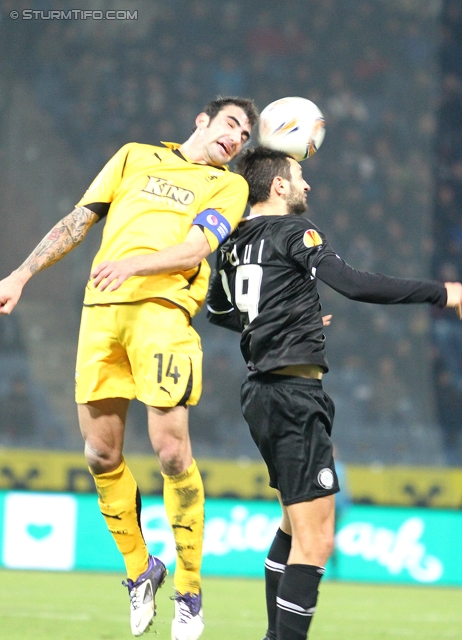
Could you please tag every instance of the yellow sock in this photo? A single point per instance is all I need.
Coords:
(184, 504)
(120, 503)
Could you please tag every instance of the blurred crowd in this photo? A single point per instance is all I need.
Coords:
(372, 67)
(447, 330)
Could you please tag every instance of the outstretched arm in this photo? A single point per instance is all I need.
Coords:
(382, 289)
(63, 237)
(179, 257)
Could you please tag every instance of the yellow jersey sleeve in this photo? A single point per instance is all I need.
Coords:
(103, 187)
(225, 207)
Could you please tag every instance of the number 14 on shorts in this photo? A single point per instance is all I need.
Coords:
(171, 370)
(169, 379)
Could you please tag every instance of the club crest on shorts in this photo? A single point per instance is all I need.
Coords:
(311, 238)
(326, 478)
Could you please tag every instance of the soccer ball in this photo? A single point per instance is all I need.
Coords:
(294, 126)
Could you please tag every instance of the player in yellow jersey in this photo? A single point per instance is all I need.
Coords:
(166, 208)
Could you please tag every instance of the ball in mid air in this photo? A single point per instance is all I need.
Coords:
(292, 125)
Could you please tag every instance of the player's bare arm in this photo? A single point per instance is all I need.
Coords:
(59, 241)
(65, 236)
(179, 257)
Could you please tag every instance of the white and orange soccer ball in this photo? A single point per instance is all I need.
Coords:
(293, 125)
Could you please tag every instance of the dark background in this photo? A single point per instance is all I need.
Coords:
(386, 189)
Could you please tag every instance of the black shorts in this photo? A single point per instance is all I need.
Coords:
(290, 420)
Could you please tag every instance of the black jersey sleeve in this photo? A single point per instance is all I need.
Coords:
(220, 311)
(376, 287)
(100, 208)
(304, 243)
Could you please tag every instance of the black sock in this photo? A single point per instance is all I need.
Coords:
(275, 564)
(296, 600)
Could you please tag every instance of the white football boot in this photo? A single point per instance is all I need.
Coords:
(188, 622)
(142, 593)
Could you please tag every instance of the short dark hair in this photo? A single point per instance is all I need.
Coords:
(259, 167)
(246, 104)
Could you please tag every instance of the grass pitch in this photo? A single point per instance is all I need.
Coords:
(81, 606)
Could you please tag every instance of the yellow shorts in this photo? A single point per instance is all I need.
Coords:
(142, 350)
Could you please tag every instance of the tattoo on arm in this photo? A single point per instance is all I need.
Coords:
(65, 236)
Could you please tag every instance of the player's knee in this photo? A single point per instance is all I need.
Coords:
(102, 460)
(174, 453)
(172, 462)
(317, 548)
(174, 456)
(325, 546)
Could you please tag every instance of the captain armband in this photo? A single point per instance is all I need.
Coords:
(215, 222)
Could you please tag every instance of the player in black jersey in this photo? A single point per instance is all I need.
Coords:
(264, 286)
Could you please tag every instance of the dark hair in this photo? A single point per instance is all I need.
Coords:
(248, 107)
(259, 167)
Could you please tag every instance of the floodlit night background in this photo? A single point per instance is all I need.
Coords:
(386, 190)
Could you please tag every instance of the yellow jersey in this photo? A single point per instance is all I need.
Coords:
(152, 195)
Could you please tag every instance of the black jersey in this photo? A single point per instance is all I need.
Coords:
(264, 285)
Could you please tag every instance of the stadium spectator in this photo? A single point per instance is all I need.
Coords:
(447, 338)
